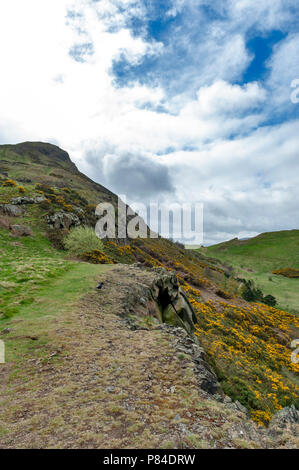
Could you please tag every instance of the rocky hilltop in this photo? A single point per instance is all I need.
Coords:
(31, 162)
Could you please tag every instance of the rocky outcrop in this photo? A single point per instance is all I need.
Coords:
(288, 415)
(27, 200)
(63, 220)
(206, 377)
(11, 210)
(172, 302)
(20, 231)
(286, 419)
(156, 293)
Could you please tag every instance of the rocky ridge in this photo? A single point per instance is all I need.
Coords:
(154, 292)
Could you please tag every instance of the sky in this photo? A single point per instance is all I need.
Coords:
(174, 101)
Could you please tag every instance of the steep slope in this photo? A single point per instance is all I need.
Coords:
(258, 257)
(248, 345)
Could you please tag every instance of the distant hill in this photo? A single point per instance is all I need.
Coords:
(256, 258)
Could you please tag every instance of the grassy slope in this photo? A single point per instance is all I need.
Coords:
(36, 283)
(258, 257)
(31, 265)
(89, 381)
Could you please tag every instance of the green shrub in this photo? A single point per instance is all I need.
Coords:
(239, 389)
(57, 237)
(251, 293)
(82, 240)
(287, 272)
(270, 300)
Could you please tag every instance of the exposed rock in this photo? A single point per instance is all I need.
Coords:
(62, 220)
(6, 331)
(11, 210)
(27, 200)
(172, 301)
(227, 399)
(25, 180)
(156, 293)
(236, 406)
(5, 222)
(286, 417)
(21, 231)
(206, 377)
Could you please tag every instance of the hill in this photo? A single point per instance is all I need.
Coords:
(30, 162)
(193, 383)
(258, 257)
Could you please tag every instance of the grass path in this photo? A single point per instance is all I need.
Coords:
(55, 299)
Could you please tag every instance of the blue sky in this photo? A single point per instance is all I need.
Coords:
(173, 101)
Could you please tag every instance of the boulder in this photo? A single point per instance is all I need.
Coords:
(21, 231)
(11, 210)
(27, 200)
(172, 301)
(63, 220)
(286, 416)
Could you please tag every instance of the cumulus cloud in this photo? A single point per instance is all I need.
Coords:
(284, 68)
(139, 177)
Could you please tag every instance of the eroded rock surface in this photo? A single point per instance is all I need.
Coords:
(27, 200)
(20, 231)
(61, 220)
(11, 210)
(158, 293)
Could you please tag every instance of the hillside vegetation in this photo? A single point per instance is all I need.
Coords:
(248, 344)
(260, 258)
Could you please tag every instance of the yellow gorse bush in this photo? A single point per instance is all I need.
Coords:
(247, 342)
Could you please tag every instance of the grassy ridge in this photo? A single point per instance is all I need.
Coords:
(258, 257)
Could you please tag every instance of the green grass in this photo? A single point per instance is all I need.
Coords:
(39, 285)
(31, 268)
(55, 299)
(258, 257)
(26, 265)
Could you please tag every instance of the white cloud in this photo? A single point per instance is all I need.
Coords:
(222, 97)
(248, 184)
(284, 67)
